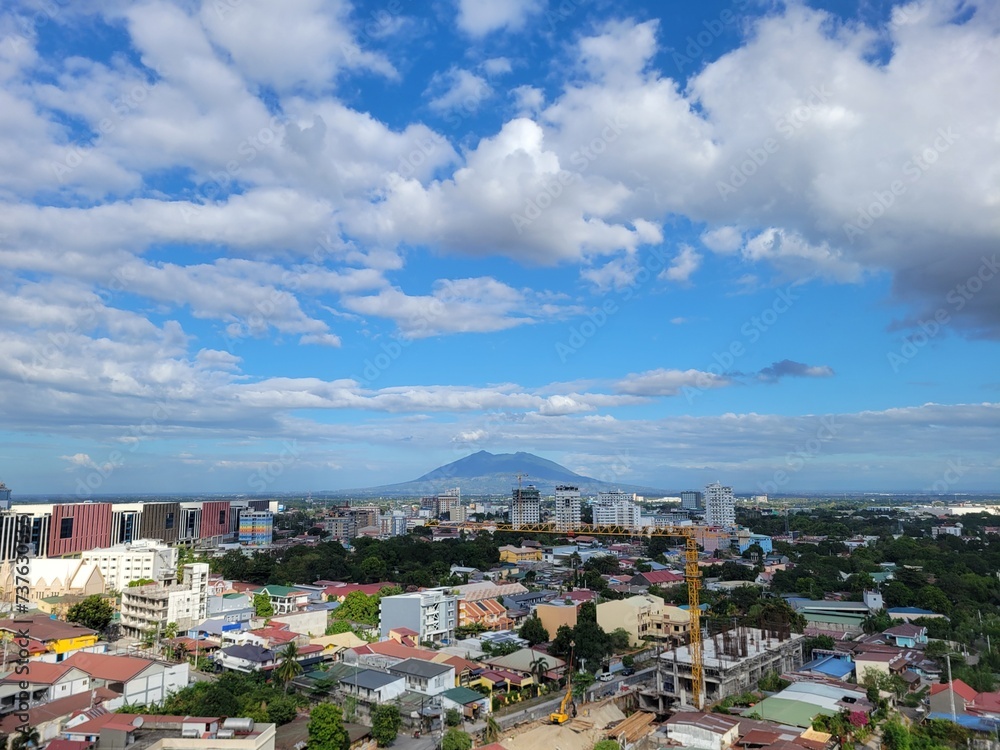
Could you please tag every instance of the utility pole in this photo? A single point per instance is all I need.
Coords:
(951, 689)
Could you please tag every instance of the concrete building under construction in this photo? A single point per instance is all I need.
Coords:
(734, 661)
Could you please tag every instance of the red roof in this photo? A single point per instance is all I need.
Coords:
(275, 635)
(341, 590)
(960, 688)
(396, 650)
(107, 666)
(57, 709)
(60, 744)
(661, 576)
(579, 595)
(38, 672)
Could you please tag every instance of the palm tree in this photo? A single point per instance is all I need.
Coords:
(170, 631)
(290, 668)
(538, 669)
(491, 733)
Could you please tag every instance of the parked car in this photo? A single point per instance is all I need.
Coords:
(606, 677)
(627, 672)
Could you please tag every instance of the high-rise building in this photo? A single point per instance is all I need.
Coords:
(567, 507)
(692, 500)
(445, 503)
(4, 496)
(525, 506)
(256, 528)
(617, 509)
(720, 505)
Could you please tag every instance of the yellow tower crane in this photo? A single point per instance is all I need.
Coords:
(692, 574)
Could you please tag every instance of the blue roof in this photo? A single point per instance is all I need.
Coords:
(656, 566)
(910, 611)
(976, 723)
(829, 665)
(702, 607)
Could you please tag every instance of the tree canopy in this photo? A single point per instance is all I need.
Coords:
(94, 612)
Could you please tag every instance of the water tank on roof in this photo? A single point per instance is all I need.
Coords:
(190, 730)
(237, 724)
(225, 734)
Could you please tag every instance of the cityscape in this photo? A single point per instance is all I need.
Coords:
(499, 375)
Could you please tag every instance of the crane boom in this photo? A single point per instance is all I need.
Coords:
(692, 574)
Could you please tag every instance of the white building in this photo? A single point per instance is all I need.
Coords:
(392, 524)
(432, 613)
(151, 607)
(143, 559)
(567, 507)
(617, 509)
(720, 505)
(525, 506)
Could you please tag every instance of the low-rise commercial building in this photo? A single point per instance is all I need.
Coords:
(140, 560)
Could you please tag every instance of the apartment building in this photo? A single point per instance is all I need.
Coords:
(150, 608)
(525, 506)
(720, 505)
(432, 613)
(143, 559)
(617, 509)
(567, 512)
(644, 617)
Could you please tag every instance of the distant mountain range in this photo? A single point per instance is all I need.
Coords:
(485, 473)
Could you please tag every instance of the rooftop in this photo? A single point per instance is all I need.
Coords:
(420, 668)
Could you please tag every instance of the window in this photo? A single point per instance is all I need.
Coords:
(65, 528)
(222, 517)
(169, 523)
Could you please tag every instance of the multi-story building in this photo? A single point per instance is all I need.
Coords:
(4, 496)
(392, 524)
(617, 509)
(567, 507)
(445, 503)
(60, 529)
(151, 607)
(256, 528)
(645, 617)
(432, 614)
(720, 505)
(692, 500)
(525, 506)
(143, 559)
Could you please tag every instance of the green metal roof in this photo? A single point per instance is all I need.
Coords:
(280, 590)
(837, 619)
(791, 712)
(462, 695)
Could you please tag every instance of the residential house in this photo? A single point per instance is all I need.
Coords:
(59, 639)
(246, 658)
(138, 681)
(38, 683)
(944, 694)
(525, 661)
(112, 731)
(285, 599)
(489, 614)
(511, 554)
(335, 645)
(907, 635)
(48, 718)
(471, 704)
(694, 729)
(657, 577)
(644, 617)
(424, 677)
(372, 686)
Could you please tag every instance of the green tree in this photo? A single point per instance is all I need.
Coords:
(620, 640)
(587, 611)
(877, 622)
(358, 607)
(326, 728)
(25, 739)
(262, 606)
(895, 736)
(607, 745)
(289, 668)
(170, 631)
(582, 681)
(453, 717)
(539, 667)
(533, 631)
(281, 710)
(385, 724)
(456, 739)
(94, 612)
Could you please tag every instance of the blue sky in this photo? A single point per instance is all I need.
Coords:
(246, 245)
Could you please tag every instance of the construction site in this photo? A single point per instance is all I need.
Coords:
(732, 662)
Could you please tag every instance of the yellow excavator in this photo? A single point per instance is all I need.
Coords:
(562, 715)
